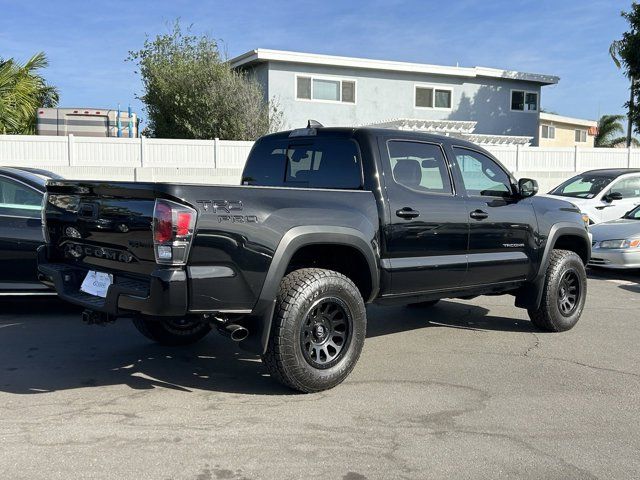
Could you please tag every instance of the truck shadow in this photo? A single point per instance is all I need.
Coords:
(449, 314)
(50, 349)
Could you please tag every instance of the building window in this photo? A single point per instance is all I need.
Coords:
(348, 91)
(303, 88)
(325, 89)
(581, 136)
(548, 131)
(523, 101)
(431, 97)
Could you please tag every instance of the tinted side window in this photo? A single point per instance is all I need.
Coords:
(18, 199)
(419, 166)
(481, 175)
(313, 163)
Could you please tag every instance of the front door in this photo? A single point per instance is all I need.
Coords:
(629, 190)
(426, 237)
(502, 244)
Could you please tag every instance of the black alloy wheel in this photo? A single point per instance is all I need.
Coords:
(326, 332)
(569, 293)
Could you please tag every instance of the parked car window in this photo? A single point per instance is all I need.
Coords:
(628, 188)
(18, 199)
(419, 166)
(633, 214)
(318, 163)
(481, 175)
(582, 186)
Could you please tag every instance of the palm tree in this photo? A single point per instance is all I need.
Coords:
(609, 126)
(22, 92)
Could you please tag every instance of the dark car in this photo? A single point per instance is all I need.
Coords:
(21, 192)
(326, 220)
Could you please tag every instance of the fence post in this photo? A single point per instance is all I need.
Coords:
(70, 149)
(517, 157)
(141, 151)
(216, 152)
(629, 157)
(575, 159)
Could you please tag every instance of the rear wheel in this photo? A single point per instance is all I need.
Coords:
(564, 295)
(318, 330)
(172, 331)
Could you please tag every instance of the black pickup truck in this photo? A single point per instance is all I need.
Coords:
(325, 221)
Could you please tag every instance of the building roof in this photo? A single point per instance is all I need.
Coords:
(552, 117)
(265, 55)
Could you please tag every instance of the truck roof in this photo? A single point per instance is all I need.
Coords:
(348, 132)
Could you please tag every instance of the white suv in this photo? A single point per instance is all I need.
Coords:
(602, 194)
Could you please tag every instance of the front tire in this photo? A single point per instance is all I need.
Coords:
(318, 330)
(170, 331)
(564, 294)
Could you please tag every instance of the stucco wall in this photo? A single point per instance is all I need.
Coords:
(382, 95)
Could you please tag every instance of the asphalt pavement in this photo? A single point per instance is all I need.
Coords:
(465, 389)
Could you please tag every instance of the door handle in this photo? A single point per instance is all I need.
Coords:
(407, 212)
(479, 215)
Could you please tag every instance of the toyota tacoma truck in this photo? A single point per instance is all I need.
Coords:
(325, 221)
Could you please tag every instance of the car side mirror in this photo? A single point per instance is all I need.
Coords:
(611, 196)
(527, 187)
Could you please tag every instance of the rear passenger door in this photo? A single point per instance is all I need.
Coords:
(426, 237)
(502, 226)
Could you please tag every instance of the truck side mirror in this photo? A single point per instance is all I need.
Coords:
(527, 187)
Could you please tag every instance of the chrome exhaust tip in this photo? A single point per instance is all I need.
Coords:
(236, 332)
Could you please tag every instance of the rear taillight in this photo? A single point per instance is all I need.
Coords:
(173, 227)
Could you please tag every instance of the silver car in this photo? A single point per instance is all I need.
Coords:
(616, 244)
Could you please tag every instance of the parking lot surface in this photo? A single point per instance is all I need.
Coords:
(465, 389)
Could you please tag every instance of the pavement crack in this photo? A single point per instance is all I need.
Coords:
(536, 345)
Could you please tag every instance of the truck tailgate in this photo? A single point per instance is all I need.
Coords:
(101, 227)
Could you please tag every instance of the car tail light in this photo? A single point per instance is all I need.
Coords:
(173, 227)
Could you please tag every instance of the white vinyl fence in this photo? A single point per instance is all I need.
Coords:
(221, 161)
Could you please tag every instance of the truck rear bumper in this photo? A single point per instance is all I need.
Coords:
(164, 293)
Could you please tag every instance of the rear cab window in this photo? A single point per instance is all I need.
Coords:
(309, 162)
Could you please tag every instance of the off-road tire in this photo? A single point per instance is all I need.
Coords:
(286, 358)
(549, 315)
(427, 304)
(169, 331)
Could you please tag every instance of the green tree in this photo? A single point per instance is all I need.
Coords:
(22, 91)
(610, 132)
(191, 91)
(626, 54)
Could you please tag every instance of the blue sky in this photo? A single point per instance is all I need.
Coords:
(87, 41)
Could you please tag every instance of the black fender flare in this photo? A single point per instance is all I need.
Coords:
(259, 322)
(530, 295)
